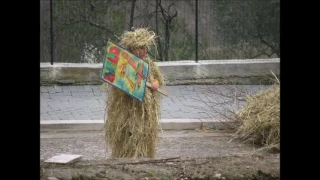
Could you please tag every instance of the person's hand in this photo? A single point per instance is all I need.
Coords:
(155, 85)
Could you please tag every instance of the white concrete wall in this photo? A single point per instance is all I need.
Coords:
(256, 71)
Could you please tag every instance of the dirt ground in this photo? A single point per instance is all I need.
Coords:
(197, 160)
(228, 167)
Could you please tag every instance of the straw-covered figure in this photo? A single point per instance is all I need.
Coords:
(132, 126)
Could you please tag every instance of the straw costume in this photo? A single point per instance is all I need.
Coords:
(132, 126)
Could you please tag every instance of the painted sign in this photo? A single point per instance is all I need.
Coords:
(125, 71)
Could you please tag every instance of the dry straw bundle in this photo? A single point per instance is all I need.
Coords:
(260, 119)
(140, 37)
(132, 126)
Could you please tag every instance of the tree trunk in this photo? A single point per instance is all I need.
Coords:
(157, 31)
(167, 40)
(133, 2)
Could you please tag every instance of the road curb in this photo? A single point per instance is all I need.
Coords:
(165, 124)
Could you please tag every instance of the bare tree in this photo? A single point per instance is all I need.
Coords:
(167, 17)
(250, 28)
(82, 28)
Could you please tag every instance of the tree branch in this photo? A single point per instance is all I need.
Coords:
(162, 10)
(263, 53)
(147, 162)
(260, 37)
(171, 17)
(193, 38)
(170, 7)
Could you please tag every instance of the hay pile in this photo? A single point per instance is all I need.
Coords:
(260, 119)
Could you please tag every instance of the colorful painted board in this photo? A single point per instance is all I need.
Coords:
(125, 71)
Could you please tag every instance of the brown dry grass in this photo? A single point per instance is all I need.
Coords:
(255, 117)
(260, 119)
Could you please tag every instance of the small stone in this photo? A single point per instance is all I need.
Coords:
(217, 175)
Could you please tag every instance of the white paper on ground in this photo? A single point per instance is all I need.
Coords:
(64, 158)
